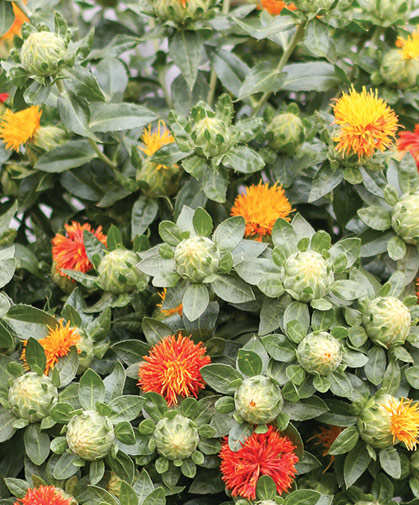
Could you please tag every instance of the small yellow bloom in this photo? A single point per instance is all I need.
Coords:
(168, 312)
(153, 141)
(404, 421)
(366, 123)
(261, 206)
(409, 46)
(56, 345)
(16, 128)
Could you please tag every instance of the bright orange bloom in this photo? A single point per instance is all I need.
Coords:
(366, 123)
(69, 252)
(16, 128)
(168, 312)
(44, 495)
(261, 206)
(409, 47)
(56, 345)
(172, 368)
(404, 421)
(260, 454)
(153, 141)
(325, 439)
(275, 7)
(16, 26)
(409, 142)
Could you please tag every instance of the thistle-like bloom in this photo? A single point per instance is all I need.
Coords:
(275, 7)
(56, 345)
(366, 123)
(404, 421)
(16, 128)
(409, 47)
(409, 142)
(16, 26)
(168, 312)
(69, 252)
(260, 454)
(153, 141)
(172, 368)
(261, 206)
(325, 438)
(43, 495)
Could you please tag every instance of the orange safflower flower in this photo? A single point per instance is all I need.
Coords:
(16, 128)
(168, 312)
(409, 142)
(16, 26)
(404, 421)
(261, 454)
(261, 206)
(172, 368)
(325, 438)
(43, 495)
(153, 141)
(69, 252)
(367, 123)
(56, 344)
(275, 7)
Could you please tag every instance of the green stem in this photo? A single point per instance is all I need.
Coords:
(282, 62)
(102, 156)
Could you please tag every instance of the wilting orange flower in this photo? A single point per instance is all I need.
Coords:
(275, 7)
(56, 345)
(409, 142)
(260, 454)
(43, 495)
(366, 123)
(409, 46)
(16, 128)
(168, 312)
(261, 206)
(153, 141)
(16, 26)
(404, 421)
(325, 438)
(69, 252)
(172, 368)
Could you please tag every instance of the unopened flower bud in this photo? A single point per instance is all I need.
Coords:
(43, 54)
(319, 353)
(211, 136)
(196, 258)
(176, 438)
(399, 72)
(405, 218)
(287, 132)
(118, 272)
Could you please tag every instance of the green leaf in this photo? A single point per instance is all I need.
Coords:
(154, 330)
(265, 488)
(127, 495)
(412, 376)
(392, 378)
(269, 27)
(396, 248)
(303, 496)
(144, 212)
(312, 76)
(284, 236)
(195, 301)
(102, 495)
(6, 16)
(202, 222)
(229, 233)
(232, 289)
(408, 174)
(249, 363)
(243, 160)
(6, 424)
(143, 486)
(110, 117)
(375, 217)
(65, 467)
(156, 497)
(215, 183)
(96, 471)
(376, 366)
(317, 38)
(125, 408)
(356, 462)
(37, 444)
(70, 155)
(306, 408)
(35, 356)
(91, 390)
(18, 487)
(170, 233)
(279, 347)
(230, 69)
(390, 462)
(219, 377)
(345, 441)
(122, 465)
(185, 48)
(115, 382)
(82, 82)
(74, 113)
(155, 405)
(264, 77)
(324, 182)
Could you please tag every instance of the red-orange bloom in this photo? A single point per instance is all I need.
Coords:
(409, 142)
(44, 495)
(275, 7)
(325, 438)
(261, 454)
(69, 252)
(172, 368)
(3, 97)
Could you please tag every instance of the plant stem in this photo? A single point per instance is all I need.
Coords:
(284, 58)
(102, 156)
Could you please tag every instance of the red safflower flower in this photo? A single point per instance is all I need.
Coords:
(261, 454)
(409, 142)
(44, 495)
(172, 368)
(69, 252)
(3, 97)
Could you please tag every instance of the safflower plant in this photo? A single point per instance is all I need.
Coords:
(209, 252)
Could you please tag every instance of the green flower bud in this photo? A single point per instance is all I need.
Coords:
(114, 485)
(374, 423)
(43, 54)
(313, 5)
(162, 181)
(180, 11)
(176, 438)
(90, 435)
(387, 12)
(319, 353)
(405, 218)
(307, 276)
(258, 400)
(288, 132)
(212, 136)
(386, 320)
(32, 396)
(399, 72)
(118, 272)
(196, 258)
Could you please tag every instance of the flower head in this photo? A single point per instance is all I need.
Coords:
(16, 128)
(261, 206)
(69, 251)
(325, 438)
(275, 7)
(153, 141)
(409, 47)
(43, 495)
(409, 142)
(168, 312)
(172, 368)
(260, 454)
(16, 26)
(56, 344)
(404, 421)
(366, 123)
